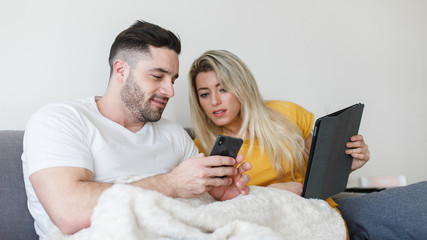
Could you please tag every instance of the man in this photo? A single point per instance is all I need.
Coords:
(73, 149)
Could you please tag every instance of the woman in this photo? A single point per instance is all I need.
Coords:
(224, 99)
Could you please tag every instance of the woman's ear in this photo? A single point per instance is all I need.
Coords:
(120, 70)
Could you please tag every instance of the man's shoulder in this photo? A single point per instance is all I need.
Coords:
(64, 106)
(167, 125)
(174, 133)
(70, 103)
(171, 130)
(61, 112)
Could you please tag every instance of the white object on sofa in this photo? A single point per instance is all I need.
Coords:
(382, 182)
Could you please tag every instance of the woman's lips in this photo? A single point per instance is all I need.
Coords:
(219, 113)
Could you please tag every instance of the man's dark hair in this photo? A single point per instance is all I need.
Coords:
(137, 39)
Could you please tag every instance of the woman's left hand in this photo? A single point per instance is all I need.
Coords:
(359, 150)
(294, 187)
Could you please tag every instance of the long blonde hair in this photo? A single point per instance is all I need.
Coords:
(279, 136)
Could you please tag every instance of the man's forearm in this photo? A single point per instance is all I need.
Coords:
(75, 212)
(68, 195)
(160, 183)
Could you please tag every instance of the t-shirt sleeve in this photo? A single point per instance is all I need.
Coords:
(184, 146)
(191, 149)
(55, 137)
(198, 145)
(297, 114)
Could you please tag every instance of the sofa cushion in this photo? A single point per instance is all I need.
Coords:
(395, 213)
(15, 219)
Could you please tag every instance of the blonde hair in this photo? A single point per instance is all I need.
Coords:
(279, 136)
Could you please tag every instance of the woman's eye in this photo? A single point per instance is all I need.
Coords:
(203, 95)
(222, 90)
(156, 76)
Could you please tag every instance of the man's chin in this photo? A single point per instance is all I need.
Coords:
(149, 119)
(152, 117)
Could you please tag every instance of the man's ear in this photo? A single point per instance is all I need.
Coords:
(120, 70)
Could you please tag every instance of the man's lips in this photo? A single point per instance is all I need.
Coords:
(161, 102)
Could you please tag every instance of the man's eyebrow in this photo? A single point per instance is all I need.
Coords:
(163, 71)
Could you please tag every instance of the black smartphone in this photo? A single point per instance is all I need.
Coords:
(226, 146)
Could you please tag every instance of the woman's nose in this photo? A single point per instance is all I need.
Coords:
(216, 100)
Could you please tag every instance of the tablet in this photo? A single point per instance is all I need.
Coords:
(328, 166)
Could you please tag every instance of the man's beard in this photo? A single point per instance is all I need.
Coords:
(134, 99)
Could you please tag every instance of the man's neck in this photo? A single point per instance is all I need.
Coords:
(118, 113)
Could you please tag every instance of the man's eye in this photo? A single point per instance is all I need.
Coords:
(156, 76)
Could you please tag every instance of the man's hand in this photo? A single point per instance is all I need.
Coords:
(359, 150)
(200, 174)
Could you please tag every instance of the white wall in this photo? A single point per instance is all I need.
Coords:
(323, 55)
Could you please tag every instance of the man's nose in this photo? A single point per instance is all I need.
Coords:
(167, 89)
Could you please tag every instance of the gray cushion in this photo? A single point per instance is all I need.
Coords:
(395, 213)
(15, 220)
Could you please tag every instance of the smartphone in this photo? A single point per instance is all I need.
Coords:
(226, 146)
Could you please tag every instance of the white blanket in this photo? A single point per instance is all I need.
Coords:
(127, 212)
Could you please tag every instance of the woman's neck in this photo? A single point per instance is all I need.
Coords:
(233, 128)
(234, 132)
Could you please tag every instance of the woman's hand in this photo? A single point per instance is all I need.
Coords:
(359, 150)
(294, 187)
(238, 183)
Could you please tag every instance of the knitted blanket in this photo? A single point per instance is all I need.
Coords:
(127, 212)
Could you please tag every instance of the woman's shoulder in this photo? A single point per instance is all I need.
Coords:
(295, 113)
(284, 107)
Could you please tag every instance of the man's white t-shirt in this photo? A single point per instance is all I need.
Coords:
(76, 134)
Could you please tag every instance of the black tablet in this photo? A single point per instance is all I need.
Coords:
(328, 166)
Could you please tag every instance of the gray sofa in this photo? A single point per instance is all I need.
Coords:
(16, 222)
